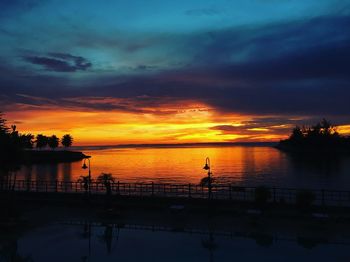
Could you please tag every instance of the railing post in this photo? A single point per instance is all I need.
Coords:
(152, 188)
(274, 194)
(189, 190)
(56, 186)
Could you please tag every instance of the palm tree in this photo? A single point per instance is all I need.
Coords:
(41, 141)
(53, 142)
(26, 141)
(106, 179)
(67, 140)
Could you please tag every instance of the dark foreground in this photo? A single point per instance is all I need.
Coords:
(45, 228)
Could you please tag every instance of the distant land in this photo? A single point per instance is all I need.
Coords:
(54, 156)
(175, 145)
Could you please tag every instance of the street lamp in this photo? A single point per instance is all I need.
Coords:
(89, 168)
(207, 167)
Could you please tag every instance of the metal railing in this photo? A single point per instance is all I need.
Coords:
(222, 191)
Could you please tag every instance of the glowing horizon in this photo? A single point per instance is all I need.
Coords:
(197, 124)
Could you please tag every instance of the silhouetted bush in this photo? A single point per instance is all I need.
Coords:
(106, 179)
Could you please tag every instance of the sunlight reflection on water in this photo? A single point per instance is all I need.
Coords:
(249, 165)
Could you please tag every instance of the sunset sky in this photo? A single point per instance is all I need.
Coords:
(159, 71)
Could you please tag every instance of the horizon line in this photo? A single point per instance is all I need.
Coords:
(199, 144)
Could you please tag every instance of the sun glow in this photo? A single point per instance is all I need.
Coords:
(185, 123)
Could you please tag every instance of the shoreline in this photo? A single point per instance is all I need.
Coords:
(51, 156)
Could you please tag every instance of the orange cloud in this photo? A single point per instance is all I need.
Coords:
(168, 122)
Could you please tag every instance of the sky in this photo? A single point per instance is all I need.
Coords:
(160, 71)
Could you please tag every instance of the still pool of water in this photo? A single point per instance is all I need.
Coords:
(107, 243)
(244, 165)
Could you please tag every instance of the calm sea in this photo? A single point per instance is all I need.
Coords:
(241, 165)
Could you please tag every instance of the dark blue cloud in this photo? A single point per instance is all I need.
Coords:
(291, 68)
(59, 62)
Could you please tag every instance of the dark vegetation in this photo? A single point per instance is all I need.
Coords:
(16, 147)
(322, 137)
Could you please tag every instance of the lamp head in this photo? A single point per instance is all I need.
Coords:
(206, 167)
(84, 165)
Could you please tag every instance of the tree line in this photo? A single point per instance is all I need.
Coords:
(12, 142)
(53, 141)
(321, 135)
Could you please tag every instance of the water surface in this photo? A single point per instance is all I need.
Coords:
(107, 243)
(244, 165)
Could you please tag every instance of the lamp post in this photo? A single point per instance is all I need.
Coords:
(207, 167)
(89, 168)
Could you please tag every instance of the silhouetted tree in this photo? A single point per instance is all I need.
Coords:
(106, 179)
(12, 143)
(26, 140)
(3, 127)
(297, 134)
(67, 140)
(53, 142)
(41, 141)
(322, 136)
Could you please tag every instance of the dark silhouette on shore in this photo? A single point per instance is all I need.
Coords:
(12, 143)
(322, 137)
(41, 141)
(53, 142)
(16, 147)
(106, 179)
(67, 141)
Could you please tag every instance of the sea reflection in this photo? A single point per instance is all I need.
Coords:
(87, 241)
(243, 165)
